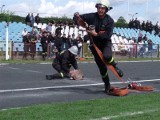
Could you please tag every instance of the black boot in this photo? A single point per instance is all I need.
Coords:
(54, 76)
(119, 71)
(107, 85)
(43, 57)
(49, 77)
(107, 88)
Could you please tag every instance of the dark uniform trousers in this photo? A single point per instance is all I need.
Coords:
(26, 50)
(44, 50)
(32, 49)
(107, 54)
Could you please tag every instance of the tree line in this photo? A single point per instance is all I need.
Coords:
(9, 16)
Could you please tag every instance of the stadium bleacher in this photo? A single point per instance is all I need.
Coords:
(121, 35)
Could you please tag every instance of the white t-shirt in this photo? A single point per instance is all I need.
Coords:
(24, 33)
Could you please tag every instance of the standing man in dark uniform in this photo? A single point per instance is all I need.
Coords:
(104, 25)
(33, 45)
(37, 19)
(58, 39)
(44, 41)
(26, 41)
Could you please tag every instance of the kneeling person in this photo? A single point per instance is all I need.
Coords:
(63, 62)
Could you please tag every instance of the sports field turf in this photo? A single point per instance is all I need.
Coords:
(131, 107)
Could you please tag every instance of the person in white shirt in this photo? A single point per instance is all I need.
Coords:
(24, 32)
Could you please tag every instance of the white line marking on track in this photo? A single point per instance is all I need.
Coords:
(25, 70)
(14, 68)
(33, 71)
(126, 114)
(69, 86)
(13, 108)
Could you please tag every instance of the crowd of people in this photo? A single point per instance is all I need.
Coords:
(61, 41)
(53, 37)
(139, 49)
(146, 26)
(31, 19)
(56, 40)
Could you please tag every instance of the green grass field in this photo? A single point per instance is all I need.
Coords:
(131, 107)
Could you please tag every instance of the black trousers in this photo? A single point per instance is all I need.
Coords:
(32, 48)
(44, 49)
(106, 49)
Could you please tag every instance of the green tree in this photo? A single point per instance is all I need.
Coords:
(121, 22)
(6, 16)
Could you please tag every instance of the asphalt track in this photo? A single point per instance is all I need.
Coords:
(22, 85)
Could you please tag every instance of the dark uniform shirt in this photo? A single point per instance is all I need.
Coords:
(58, 43)
(26, 39)
(106, 25)
(44, 40)
(66, 59)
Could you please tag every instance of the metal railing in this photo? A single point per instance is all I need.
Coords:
(120, 51)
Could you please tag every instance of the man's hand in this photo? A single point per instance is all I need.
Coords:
(92, 32)
(79, 21)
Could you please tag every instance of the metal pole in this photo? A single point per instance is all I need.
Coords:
(2, 8)
(128, 10)
(7, 55)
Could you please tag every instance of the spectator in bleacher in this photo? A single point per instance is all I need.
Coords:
(33, 31)
(24, 32)
(49, 27)
(147, 26)
(65, 43)
(134, 47)
(79, 42)
(26, 41)
(58, 39)
(130, 24)
(32, 20)
(131, 45)
(145, 38)
(74, 42)
(27, 19)
(150, 47)
(141, 48)
(134, 24)
(156, 28)
(140, 35)
(51, 37)
(158, 31)
(150, 27)
(33, 45)
(37, 19)
(101, 38)
(44, 42)
(143, 25)
(53, 27)
(137, 24)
